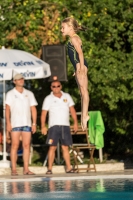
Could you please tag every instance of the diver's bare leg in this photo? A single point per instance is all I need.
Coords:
(82, 81)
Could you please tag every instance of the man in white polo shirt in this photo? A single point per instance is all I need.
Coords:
(58, 104)
(20, 109)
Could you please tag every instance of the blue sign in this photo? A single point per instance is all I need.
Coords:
(45, 72)
(39, 61)
(1, 75)
(28, 74)
(3, 64)
(21, 63)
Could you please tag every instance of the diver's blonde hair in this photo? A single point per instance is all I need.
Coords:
(70, 21)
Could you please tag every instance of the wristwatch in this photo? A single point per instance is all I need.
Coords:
(34, 124)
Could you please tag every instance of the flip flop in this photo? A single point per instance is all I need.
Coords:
(28, 173)
(49, 172)
(14, 173)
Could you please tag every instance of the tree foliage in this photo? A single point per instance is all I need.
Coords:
(29, 24)
(107, 45)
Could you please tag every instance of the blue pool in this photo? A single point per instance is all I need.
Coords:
(97, 189)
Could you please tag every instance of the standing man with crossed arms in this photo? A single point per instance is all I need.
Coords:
(58, 104)
(20, 108)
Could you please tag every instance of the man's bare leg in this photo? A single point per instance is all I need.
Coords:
(51, 156)
(14, 148)
(66, 157)
(26, 140)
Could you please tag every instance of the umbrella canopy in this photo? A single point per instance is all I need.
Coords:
(14, 61)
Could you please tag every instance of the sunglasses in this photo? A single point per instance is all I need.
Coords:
(55, 86)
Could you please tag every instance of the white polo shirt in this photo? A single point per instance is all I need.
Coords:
(20, 104)
(58, 109)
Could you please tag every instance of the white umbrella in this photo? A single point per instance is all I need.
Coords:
(14, 61)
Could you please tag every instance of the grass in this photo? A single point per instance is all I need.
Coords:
(38, 159)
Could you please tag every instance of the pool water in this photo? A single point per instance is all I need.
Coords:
(99, 189)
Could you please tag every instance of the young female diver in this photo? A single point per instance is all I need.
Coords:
(70, 27)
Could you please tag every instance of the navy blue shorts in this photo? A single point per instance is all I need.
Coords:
(59, 133)
(22, 129)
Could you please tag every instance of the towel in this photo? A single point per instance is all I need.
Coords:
(96, 129)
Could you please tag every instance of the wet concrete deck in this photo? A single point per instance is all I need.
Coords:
(60, 174)
(128, 174)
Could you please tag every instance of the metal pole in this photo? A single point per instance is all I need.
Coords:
(4, 124)
(101, 155)
(4, 162)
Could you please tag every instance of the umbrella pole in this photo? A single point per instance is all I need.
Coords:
(4, 163)
(4, 124)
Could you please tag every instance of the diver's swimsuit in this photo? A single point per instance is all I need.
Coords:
(73, 55)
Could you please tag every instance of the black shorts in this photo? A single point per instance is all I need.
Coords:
(59, 133)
